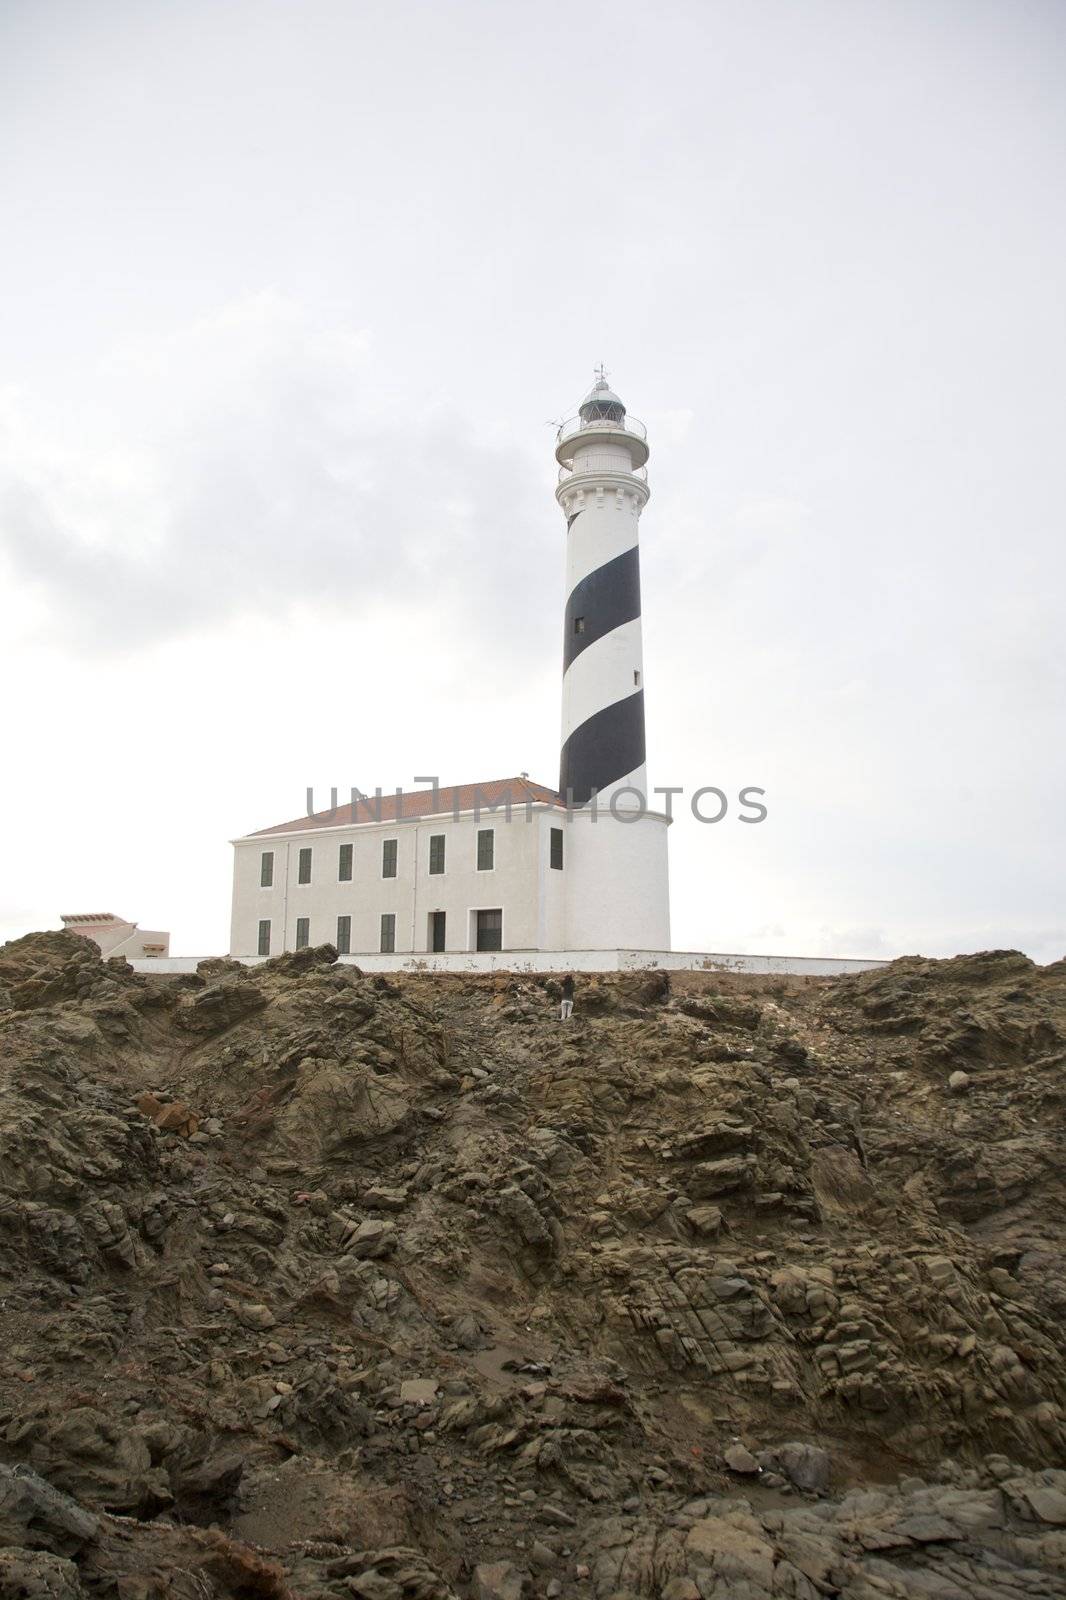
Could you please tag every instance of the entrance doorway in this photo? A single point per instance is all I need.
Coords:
(436, 930)
(489, 930)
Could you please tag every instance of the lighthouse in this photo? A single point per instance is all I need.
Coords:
(603, 488)
(617, 891)
(506, 867)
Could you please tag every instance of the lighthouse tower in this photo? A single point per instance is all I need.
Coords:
(603, 487)
(617, 892)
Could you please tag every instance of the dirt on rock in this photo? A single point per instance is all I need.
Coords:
(316, 1284)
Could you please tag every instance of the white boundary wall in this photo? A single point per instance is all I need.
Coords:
(563, 961)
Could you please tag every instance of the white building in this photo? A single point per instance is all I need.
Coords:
(114, 936)
(507, 865)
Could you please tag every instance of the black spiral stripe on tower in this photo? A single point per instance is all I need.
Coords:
(604, 600)
(604, 748)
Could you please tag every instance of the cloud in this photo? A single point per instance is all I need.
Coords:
(251, 465)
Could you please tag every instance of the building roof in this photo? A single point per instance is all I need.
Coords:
(602, 394)
(77, 919)
(420, 803)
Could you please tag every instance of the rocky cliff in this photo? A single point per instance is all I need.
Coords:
(317, 1284)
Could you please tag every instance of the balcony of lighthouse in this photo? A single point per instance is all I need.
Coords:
(577, 424)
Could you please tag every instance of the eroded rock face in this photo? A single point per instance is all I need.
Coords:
(944, 1540)
(35, 1575)
(323, 1285)
(38, 1516)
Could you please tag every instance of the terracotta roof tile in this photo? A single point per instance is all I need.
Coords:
(420, 803)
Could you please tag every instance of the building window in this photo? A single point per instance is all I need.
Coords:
(266, 870)
(388, 932)
(636, 678)
(388, 858)
(263, 947)
(303, 932)
(304, 873)
(344, 864)
(485, 849)
(344, 935)
(436, 930)
(436, 852)
(490, 930)
(579, 624)
(555, 857)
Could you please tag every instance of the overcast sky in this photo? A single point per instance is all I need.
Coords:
(289, 294)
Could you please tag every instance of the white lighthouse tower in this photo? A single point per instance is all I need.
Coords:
(622, 859)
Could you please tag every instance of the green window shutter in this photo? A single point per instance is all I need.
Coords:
(486, 838)
(266, 869)
(344, 936)
(304, 873)
(436, 852)
(388, 858)
(303, 932)
(264, 938)
(344, 866)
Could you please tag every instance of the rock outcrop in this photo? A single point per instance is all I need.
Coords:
(319, 1284)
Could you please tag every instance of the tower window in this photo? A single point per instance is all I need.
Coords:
(303, 932)
(486, 849)
(263, 947)
(388, 933)
(436, 853)
(388, 858)
(344, 864)
(304, 872)
(266, 869)
(555, 857)
(344, 936)
(636, 678)
(579, 624)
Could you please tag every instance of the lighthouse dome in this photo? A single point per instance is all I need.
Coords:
(601, 404)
